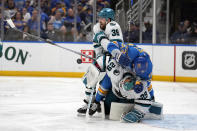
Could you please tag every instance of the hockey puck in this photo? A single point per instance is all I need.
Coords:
(79, 61)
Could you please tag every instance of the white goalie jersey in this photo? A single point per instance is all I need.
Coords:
(112, 31)
(116, 73)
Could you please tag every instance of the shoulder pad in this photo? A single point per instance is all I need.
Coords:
(96, 28)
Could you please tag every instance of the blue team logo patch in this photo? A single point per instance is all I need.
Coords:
(123, 48)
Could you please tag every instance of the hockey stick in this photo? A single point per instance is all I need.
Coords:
(11, 24)
(89, 104)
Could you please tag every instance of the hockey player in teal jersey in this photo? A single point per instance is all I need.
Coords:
(113, 32)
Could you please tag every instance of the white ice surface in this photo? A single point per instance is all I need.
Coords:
(50, 104)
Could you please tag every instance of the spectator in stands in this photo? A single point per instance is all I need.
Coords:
(19, 3)
(10, 4)
(81, 12)
(147, 34)
(44, 19)
(28, 6)
(13, 35)
(187, 26)
(33, 24)
(59, 5)
(70, 19)
(52, 33)
(102, 4)
(133, 34)
(53, 3)
(180, 36)
(45, 7)
(193, 36)
(67, 3)
(18, 21)
(58, 21)
(89, 15)
(26, 15)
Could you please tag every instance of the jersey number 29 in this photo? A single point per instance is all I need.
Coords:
(110, 66)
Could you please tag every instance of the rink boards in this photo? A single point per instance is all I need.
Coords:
(171, 62)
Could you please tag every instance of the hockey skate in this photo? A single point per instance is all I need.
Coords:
(82, 111)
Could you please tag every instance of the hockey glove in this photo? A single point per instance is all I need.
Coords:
(122, 59)
(96, 106)
(99, 36)
(132, 116)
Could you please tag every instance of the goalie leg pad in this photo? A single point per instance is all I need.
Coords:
(152, 110)
(155, 111)
(117, 109)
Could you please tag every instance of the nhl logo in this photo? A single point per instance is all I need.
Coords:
(189, 60)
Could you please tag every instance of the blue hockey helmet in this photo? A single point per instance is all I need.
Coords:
(107, 13)
(143, 67)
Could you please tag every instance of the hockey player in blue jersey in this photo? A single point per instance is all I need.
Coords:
(120, 85)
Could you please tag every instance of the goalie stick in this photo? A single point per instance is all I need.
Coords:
(11, 24)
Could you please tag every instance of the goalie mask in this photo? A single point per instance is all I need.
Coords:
(128, 81)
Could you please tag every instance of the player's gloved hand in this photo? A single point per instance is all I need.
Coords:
(99, 36)
(138, 87)
(122, 59)
(95, 106)
(132, 116)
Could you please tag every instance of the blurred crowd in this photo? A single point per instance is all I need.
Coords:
(185, 33)
(56, 20)
(61, 20)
